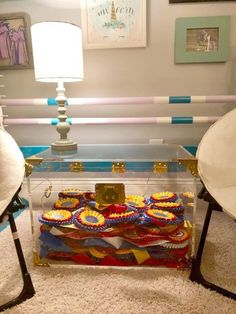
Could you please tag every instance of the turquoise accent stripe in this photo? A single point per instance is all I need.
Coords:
(182, 120)
(69, 120)
(191, 149)
(28, 151)
(52, 102)
(54, 121)
(179, 99)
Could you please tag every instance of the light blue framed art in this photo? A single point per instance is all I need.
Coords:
(202, 39)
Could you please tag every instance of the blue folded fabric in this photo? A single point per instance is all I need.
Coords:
(53, 242)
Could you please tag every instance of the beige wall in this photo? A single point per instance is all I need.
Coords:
(149, 71)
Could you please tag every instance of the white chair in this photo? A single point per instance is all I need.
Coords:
(217, 169)
(11, 176)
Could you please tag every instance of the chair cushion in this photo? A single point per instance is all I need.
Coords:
(217, 162)
(12, 168)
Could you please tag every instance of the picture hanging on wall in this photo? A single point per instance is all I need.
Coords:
(15, 41)
(185, 1)
(113, 24)
(202, 39)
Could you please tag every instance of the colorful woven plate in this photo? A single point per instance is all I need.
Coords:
(127, 216)
(136, 201)
(89, 220)
(70, 204)
(71, 193)
(56, 217)
(173, 207)
(163, 197)
(161, 217)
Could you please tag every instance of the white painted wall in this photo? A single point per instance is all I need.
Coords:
(149, 71)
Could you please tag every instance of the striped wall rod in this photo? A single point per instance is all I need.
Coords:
(122, 100)
(112, 121)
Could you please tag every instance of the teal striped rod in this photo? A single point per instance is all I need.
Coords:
(122, 100)
(103, 121)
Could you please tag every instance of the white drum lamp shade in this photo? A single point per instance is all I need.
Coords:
(58, 57)
(57, 51)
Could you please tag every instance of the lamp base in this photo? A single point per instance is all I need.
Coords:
(67, 145)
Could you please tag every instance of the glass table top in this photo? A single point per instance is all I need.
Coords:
(119, 152)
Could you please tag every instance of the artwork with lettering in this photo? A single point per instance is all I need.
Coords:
(114, 23)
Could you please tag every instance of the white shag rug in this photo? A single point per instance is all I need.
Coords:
(76, 289)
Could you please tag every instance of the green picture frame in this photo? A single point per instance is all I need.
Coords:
(202, 39)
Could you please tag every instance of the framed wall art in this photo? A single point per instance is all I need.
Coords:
(202, 39)
(186, 1)
(15, 41)
(113, 24)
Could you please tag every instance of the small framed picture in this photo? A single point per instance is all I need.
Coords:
(113, 24)
(15, 42)
(202, 39)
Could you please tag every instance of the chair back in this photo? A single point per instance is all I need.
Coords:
(217, 162)
(12, 169)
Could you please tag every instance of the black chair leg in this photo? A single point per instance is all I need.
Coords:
(195, 274)
(28, 289)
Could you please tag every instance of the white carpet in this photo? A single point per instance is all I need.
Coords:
(75, 289)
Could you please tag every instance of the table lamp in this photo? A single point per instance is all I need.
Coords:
(58, 58)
